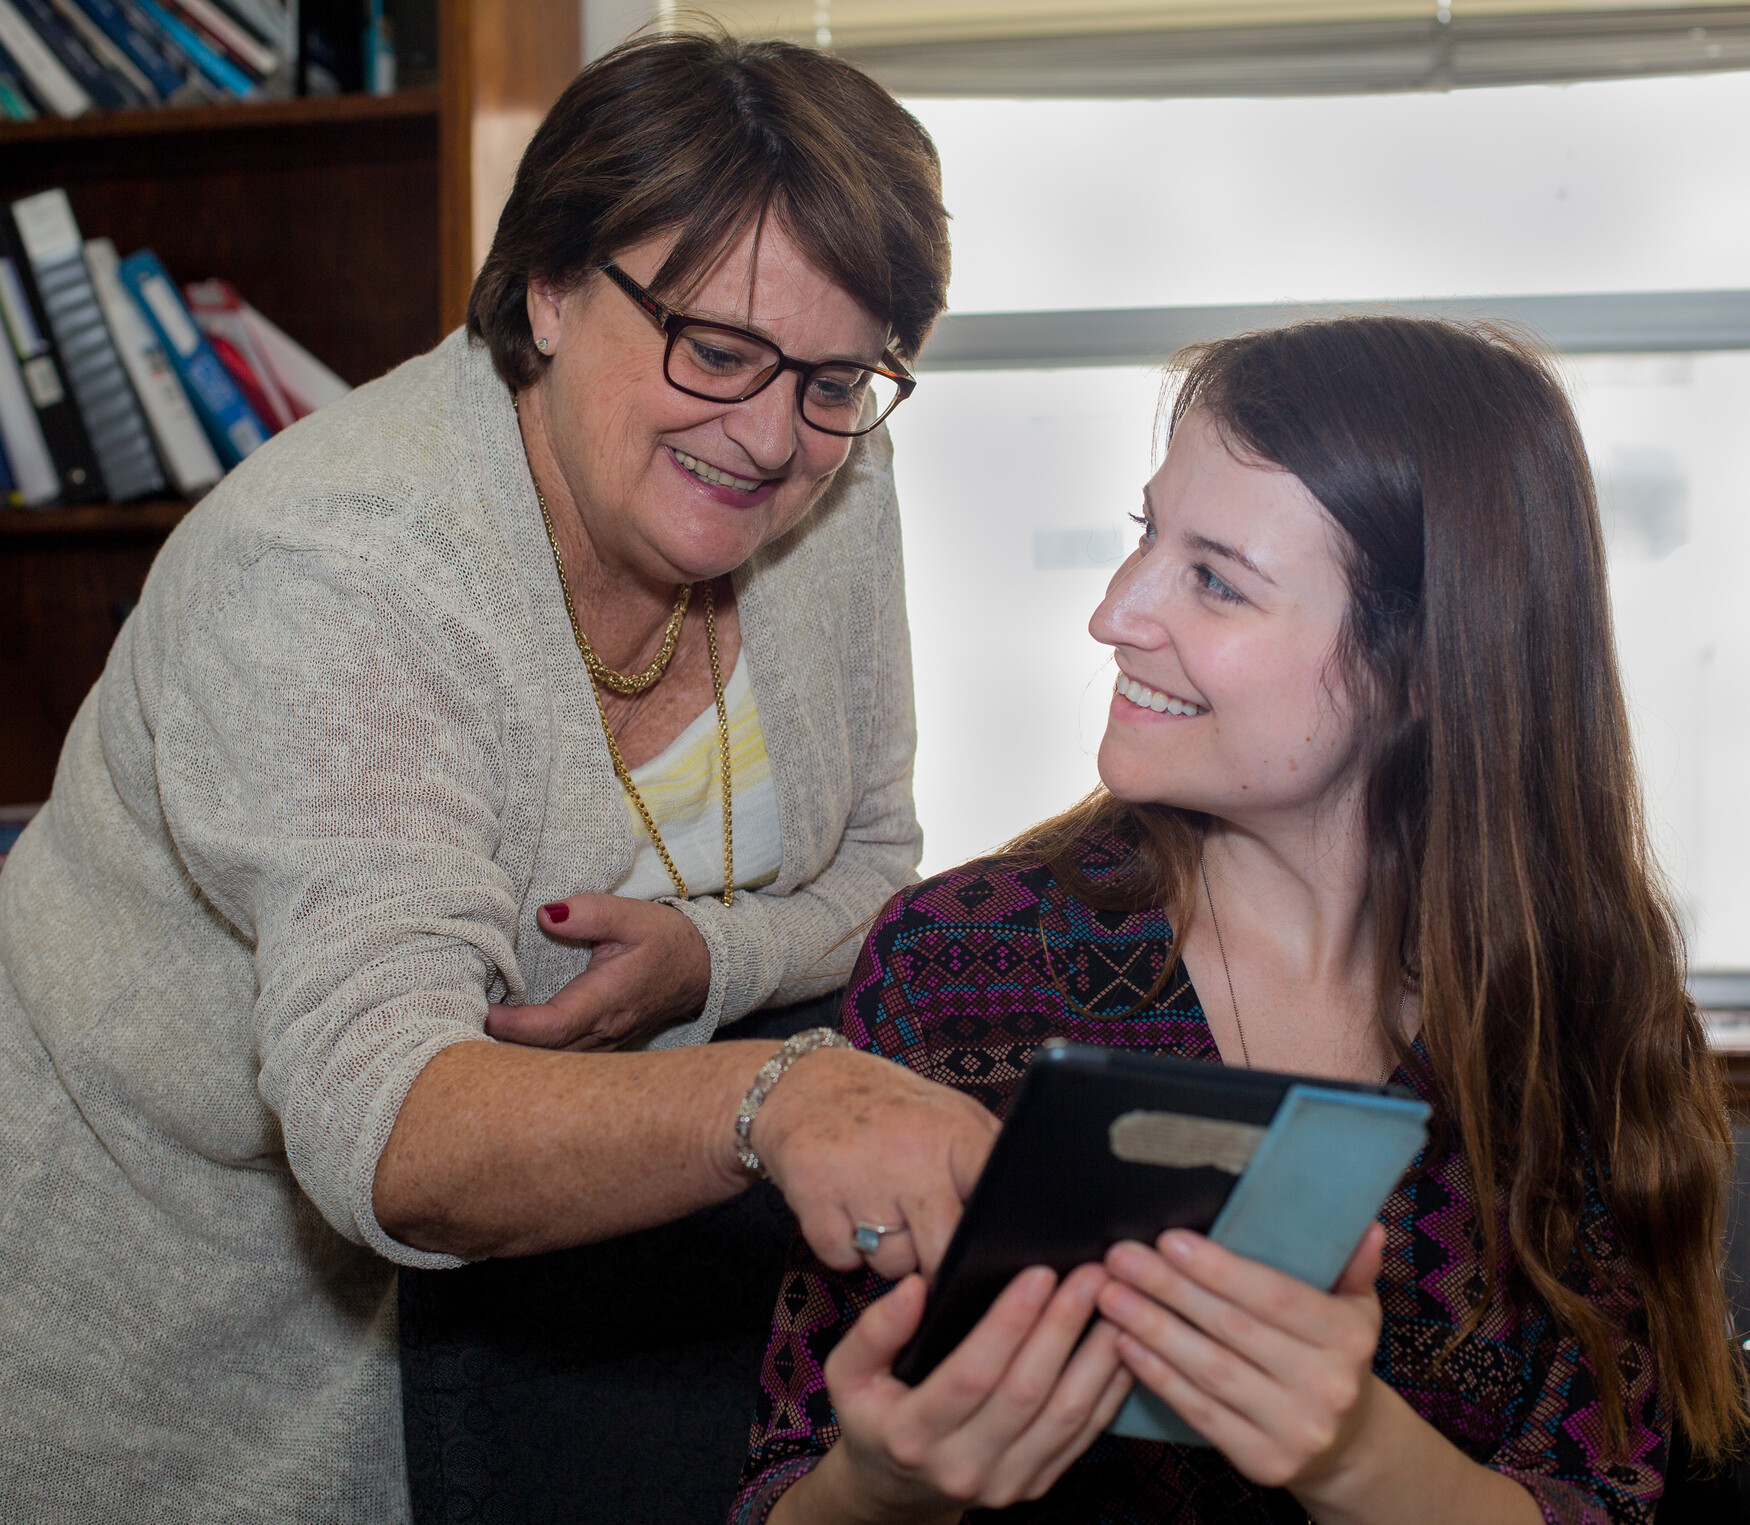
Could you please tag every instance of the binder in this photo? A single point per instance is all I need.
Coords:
(75, 57)
(182, 444)
(230, 422)
(57, 413)
(27, 452)
(48, 236)
(46, 75)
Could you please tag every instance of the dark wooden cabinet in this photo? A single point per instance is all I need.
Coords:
(354, 222)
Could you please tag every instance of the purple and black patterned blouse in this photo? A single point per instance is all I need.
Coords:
(954, 983)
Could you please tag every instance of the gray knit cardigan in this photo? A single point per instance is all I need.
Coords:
(341, 752)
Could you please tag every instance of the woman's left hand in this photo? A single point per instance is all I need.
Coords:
(649, 969)
(1274, 1373)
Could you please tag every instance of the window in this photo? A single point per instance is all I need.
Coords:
(1014, 483)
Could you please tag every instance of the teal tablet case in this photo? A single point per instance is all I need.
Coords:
(1324, 1167)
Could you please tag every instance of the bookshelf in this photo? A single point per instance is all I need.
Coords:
(354, 222)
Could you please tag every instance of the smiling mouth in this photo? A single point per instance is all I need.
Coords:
(708, 473)
(1145, 698)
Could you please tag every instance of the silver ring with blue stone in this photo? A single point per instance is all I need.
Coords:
(867, 1238)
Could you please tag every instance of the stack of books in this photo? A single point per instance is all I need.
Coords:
(67, 57)
(63, 58)
(115, 384)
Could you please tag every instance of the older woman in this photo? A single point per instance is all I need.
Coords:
(581, 635)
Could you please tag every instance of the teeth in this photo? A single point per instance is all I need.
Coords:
(711, 474)
(1149, 699)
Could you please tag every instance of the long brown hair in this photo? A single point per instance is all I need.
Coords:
(704, 135)
(1509, 875)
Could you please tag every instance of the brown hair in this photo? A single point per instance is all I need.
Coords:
(1509, 872)
(704, 135)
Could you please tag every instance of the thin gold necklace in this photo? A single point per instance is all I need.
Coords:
(599, 672)
(1214, 921)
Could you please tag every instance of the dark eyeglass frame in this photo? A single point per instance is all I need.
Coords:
(674, 323)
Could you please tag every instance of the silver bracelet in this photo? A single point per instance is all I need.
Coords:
(771, 1071)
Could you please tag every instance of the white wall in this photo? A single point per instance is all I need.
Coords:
(607, 22)
(1003, 478)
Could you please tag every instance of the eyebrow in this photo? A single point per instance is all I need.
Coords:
(1227, 552)
(759, 331)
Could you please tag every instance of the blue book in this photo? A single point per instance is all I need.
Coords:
(1316, 1180)
(103, 87)
(228, 419)
(144, 51)
(196, 87)
(221, 71)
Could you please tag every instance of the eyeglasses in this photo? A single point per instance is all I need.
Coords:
(723, 364)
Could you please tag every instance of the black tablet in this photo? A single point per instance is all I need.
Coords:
(1107, 1144)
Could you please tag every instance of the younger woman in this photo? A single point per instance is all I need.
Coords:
(1369, 812)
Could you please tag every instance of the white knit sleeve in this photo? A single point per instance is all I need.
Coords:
(774, 948)
(331, 769)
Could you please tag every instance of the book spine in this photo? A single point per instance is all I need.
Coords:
(75, 57)
(307, 383)
(33, 468)
(48, 77)
(17, 99)
(48, 235)
(123, 71)
(56, 412)
(379, 51)
(182, 444)
(147, 57)
(230, 423)
(196, 88)
(221, 71)
(231, 37)
(248, 383)
(265, 19)
(219, 311)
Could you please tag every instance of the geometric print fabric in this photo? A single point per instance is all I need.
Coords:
(961, 978)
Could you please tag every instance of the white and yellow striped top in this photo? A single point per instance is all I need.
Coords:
(680, 790)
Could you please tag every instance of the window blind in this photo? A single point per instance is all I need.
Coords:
(1247, 47)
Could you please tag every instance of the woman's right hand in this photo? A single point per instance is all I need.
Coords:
(851, 1138)
(996, 1423)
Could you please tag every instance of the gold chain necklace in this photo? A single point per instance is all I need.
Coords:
(600, 672)
(630, 683)
(1245, 1052)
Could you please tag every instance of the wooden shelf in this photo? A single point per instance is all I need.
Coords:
(234, 116)
(323, 213)
(354, 222)
(156, 516)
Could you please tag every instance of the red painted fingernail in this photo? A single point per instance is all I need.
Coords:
(558, 911)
